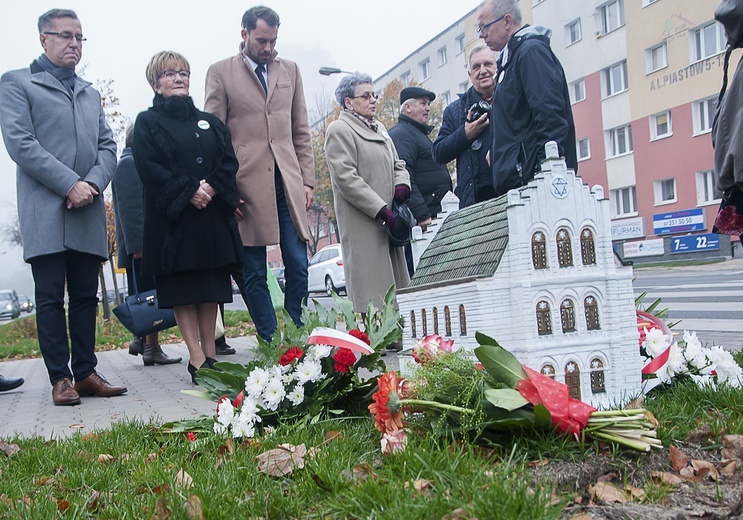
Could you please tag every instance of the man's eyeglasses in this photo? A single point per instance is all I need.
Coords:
(482, 29)
(367, 96)
(171, 74)
(67, 36)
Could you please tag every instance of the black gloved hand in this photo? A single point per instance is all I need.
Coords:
(402, 193)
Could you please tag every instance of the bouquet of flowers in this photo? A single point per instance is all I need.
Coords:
(479, 400)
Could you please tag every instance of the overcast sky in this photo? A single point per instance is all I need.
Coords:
(369, 36)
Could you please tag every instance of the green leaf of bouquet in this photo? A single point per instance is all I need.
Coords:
(542, 417)
(484, 339)
(198, 393)
(506, 398)
(508, 421)
(500, 364)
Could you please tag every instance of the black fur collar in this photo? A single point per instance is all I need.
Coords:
(177, 107)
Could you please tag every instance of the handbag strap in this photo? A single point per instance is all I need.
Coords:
(134, 276)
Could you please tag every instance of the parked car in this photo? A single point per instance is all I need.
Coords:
(27, 305)
(325, 271)
(235, 287)
(278, 272)
(10, 306)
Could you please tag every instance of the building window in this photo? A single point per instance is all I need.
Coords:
(413, 331)
(577, 91)
(567, 315)
(572, 379)
(584, 149)
(615, 78)
(435, 321)
(623, 202)
(447, 320)
(620, 140)
(441, 56)
(564, 249)
(648, 2)
(405, 77)
(611, 16)
(591, 307)
(544, 321)
(462, 321)
(573, 32)
(446, 97)
(424, 323)
(587, 247)
(707, 191)
(463, 86)
(660, 126)
(459, 43)
(703, 113)
(548, 370)
(707, 41)
(425, 66)
(539, 250)
(597, 376)
(664, 191)
(656, 58)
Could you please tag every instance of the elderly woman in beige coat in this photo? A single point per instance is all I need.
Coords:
(366, 175)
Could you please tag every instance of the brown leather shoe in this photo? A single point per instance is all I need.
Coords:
(63, 394)
(95, 384)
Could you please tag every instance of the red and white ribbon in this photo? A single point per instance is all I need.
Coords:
(336, 338)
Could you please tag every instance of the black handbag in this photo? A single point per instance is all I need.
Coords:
(141, 316)
(403, 231)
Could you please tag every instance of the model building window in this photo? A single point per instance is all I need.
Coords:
(424, 323)
(567, 315)
(539, 250)
(587, 247)
(548, 370)
(597, 376)
(447, 320)
(413, 332)
(544, 321)
(435, 321)
(564, 249)
(572, 379)
(592, 313)
(462, 321)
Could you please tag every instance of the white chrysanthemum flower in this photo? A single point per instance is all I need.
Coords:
(220, 429)
(286, 368)
(309, 370)
(727, 370)
(225, 412)
(275, 371)
(319, 351)
(273, 394)
(655, 342)
(287, 378)
(249, 411)
(703, 381)
(296, 396)
(676, 361)
(243, 428)
(256, 382)
(694, 353)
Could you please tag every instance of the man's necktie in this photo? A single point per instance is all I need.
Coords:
(259, 72)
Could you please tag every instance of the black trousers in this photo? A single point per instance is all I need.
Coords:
(79, 272)
(237, 273)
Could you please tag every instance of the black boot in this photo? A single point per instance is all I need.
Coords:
(192, 370)
(9, 383)
(154, 355)
(135, 346)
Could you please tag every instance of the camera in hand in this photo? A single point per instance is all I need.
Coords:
(477, 110)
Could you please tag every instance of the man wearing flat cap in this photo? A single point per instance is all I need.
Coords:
(429, 181)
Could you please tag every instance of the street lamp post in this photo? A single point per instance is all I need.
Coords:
(327, 71)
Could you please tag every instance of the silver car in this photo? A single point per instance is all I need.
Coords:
(325, 271)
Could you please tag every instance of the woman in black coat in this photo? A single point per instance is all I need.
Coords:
(187, 165)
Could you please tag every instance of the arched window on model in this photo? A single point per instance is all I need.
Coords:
(587, 247)
(462, 321)
(544, 321)
(548, 370)
(413, 332)
(592, 313)
(564, 248)
(424, 323)
(435, 321)
(447, 320)
(572, 379)
(539, 250)
(567, 315)
(598, 385)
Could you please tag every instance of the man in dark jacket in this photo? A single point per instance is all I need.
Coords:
(531, 103)
(465, 135)
(429, 181)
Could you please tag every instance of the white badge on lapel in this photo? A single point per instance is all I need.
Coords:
(203, 124)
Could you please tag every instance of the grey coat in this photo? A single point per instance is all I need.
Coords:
(128, 195)
(727, 134)
(56, 140)
(364, 170)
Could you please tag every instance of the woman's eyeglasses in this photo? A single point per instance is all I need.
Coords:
(367, 96)
(171, 74)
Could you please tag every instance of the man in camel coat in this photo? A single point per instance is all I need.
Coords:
(260, 98)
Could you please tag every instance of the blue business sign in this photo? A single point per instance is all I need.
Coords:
(679, 221)
(695, 243)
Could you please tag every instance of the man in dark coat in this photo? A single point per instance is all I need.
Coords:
(531, 105)
(465, 136)
(55, 131)
(429, 181)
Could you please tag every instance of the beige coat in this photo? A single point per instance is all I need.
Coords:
(267, 130)
(364, 170)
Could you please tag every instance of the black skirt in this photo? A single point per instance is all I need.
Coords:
(193, 287)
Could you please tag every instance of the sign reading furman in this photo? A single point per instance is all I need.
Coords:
(678, 221)
(686, 72)
(627, 228)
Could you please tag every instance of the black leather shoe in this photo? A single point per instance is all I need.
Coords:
(192, 369)
(136, 346)
(223, 349)
(154, 355)
(9, 383)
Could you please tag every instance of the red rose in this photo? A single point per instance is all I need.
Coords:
(356, 333)
(344, 358)
(191, 436)
(288, 357)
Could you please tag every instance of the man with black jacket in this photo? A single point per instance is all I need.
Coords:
(429, 181)
(531, 105)
(465, 134)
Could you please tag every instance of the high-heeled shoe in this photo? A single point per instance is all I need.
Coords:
(210, 362)
(192, 370)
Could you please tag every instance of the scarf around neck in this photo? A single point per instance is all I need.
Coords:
(368, 122)
(65, 76)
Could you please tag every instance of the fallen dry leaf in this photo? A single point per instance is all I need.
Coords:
(360, 474)
(704, 468)
(43, 481)
(459, 514)
(183, 479)
(635, 404)
(230, 444)
(732, 447)
(607, 478)
(422, 485)
(9, 449)
(149, 459)
(333, 435)
(77, 425)
(105, 458)
(608, 493)
(678, 459)
(651, 418)
(635, 493)
(728, 469)
(158, 490)
(581, 516)
(688, 471)
(63, 505)
(282, 460)
(667, 478)
(163, 511)
(90, 436)
(99, 501)
(538, 463)
(194, 509)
